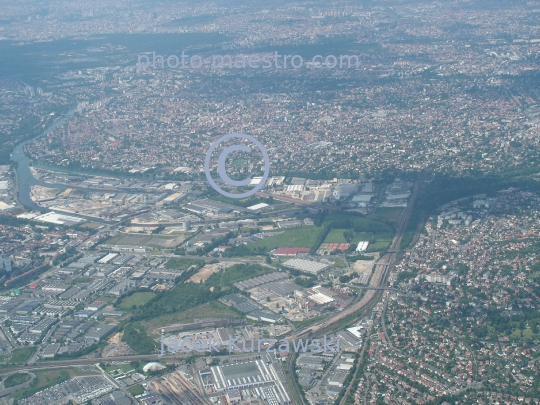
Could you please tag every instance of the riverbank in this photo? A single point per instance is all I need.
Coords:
(24, 178)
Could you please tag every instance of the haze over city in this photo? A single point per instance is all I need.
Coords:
(270, 203)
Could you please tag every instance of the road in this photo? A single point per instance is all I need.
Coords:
(6, 391)
(383, 324)
(379, 199)
(358, 366)
(373, 295)
(378, 281)
(115, 384)
(298, 201)
(290, 366)
(34, 356)
(5, 335)
(375, 290)
(94, 360)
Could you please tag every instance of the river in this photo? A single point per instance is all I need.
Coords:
(25, 177)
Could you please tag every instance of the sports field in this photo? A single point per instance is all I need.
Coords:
(360, 224)
(335, 236)
(377, 233)
(304, 236)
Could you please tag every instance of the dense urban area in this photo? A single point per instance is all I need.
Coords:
(392, 256)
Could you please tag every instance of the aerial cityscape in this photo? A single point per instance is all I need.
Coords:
(284, 203)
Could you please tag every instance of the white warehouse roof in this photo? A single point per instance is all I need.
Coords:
(307, 266)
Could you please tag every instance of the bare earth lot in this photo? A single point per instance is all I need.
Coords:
(146, 240)
(207, 271)
(364, 266)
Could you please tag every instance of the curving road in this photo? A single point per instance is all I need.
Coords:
(6, 391)
(374, 293)
(378, 280)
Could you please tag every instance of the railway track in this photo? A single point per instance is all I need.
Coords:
(374, 291)
(378, 282)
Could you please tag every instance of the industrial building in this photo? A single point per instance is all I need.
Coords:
(257, 281)
(106, 259)
(351, 338)
(211, 206)
(289, 224)
(362, 246)
(307, 266)
(310, 361)
(286, 251)
(173, 198)
(251, 309)
(99, 332)
(282, 288)
(251, 379)
(344, 190)
(363, 278)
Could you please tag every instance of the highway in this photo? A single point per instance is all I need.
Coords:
(93, 360)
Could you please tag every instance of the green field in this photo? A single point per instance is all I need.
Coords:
(377, 241)
(16, 379)
(22, 354)
(138, 299)
(363, 224)
(365, 229)
(392, 214)
(47, 378)
(527, 334)
(185, 296)
(305, 236)
(307, 322)
(380, 244)
(80, 280)
(107, 299)
(213, 309)
(123, 367)
(366, 236)
(239, 162)
(336, 236)
(136, 390)
(377, 233)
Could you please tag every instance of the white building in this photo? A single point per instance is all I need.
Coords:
(362, 246)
